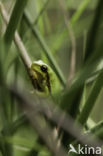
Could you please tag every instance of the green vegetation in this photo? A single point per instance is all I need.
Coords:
(67, 36)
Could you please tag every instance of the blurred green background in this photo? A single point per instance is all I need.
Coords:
(50, 17)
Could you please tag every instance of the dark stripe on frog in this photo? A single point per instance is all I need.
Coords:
(48, 82)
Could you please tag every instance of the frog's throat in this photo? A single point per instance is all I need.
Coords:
(36, 83)
(34, 77)
(47, 81)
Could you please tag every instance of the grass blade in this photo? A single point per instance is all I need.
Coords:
(97, 86)
(14, 20)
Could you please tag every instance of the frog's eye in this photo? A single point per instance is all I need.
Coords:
(44, 68)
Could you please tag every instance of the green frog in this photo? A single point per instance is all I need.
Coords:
(44, 78)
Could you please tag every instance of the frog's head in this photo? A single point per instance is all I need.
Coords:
(40, 67)
(40, 73)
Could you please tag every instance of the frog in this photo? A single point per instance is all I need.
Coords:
(44, 78)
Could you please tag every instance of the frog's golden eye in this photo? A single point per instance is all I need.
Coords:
(44, 68)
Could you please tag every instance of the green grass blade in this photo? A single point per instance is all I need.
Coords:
(79, 11)
(14, 20)
(94, 31)
(97, 86)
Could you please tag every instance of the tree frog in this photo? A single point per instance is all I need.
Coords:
(44, 79)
